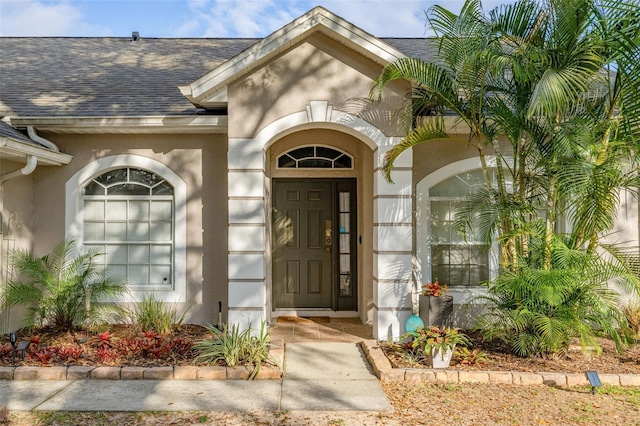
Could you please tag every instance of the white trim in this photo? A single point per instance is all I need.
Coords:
(192, 124)
(21, 150)
(74, 214)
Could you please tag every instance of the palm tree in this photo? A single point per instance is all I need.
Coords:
(54, 288)
(558, 79)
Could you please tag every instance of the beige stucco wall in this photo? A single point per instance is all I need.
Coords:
(17, 229)
(318, 69)
(362, 171)
(200, 160)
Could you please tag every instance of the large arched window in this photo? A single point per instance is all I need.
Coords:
(133, 209)
(128, 216)
(454, 260)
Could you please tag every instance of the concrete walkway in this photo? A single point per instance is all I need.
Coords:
(318, 377)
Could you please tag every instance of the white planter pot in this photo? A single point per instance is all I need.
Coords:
(440, 359)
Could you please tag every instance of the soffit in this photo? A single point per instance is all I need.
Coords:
(210, 90)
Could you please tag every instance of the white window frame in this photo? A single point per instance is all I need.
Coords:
(461, 294)
(74, 216)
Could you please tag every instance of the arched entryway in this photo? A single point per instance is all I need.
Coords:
(317, 199)
(383, 216)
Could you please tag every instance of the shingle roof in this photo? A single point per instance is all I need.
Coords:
(11, 133)
(98, 77)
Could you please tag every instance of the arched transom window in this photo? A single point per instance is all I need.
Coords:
(315, 157)
(129, 216)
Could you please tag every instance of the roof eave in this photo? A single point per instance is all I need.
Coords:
(209, 124)
(16, 150)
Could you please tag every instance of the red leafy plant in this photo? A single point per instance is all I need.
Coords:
(107, 355)
(43, 354)
(69, 353)
(434, 289)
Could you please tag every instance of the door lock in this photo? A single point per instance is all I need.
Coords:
(328, 231)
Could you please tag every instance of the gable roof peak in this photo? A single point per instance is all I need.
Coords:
(210, 90)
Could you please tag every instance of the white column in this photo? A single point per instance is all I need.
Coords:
(247, 226)
(392, 247)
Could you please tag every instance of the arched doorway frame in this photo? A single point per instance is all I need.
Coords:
(249, 254)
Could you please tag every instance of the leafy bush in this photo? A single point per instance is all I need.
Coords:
(631, 311)
(233, 347)
(54, 287)
(154, 314)
(537, 311)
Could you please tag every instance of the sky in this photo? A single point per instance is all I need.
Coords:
(208, 18)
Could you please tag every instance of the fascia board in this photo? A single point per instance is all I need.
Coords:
(22, 150)
(318, 19)
(216, 124)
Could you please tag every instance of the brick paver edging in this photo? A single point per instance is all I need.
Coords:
(188, 372)
(385, 372)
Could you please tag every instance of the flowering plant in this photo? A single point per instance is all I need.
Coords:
(434, 337)
(434, 289)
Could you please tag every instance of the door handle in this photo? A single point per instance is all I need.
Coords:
(328, 238)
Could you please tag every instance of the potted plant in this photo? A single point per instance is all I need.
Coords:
(434, 306)
(437, 343)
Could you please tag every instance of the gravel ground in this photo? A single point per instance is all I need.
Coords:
(413, 404)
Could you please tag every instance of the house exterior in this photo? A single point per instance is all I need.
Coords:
(241, 173)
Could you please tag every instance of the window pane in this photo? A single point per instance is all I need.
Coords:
(116, 253)
(343, 162)
(345, 198)
(304, 152)
(94, 210)
(94, 231)
(138, 210)
(160, 275)
(117, 271)
(286, 162)
(344, 222)
(328, 153)
(138, 254)
(116, 210)
(144, 177)
(116, 231)
(345, 263)
(441, 211)
(161, 232)
(94, 188)
(161, 210)
(139, 274)
(109, 178)
(138, 231)
(163, 189)
(315, 163)
(440, 232)
(128, 189)
(161, 254)
(452, 187)
(344, 243)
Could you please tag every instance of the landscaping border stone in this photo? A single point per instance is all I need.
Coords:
(384, 370)
(186, 372)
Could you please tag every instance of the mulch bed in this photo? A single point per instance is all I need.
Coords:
(500, 359)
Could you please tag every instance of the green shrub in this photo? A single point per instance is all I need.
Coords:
(54, 288)
(153, 314)
(631, 311)
(233, 347)
(537, 311)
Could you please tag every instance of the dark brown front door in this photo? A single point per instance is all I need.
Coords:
(308, 254)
